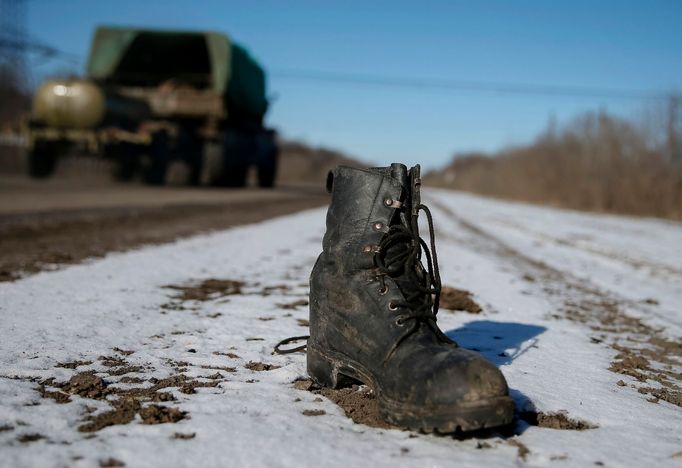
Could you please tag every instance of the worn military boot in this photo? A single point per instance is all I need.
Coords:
(373, 311)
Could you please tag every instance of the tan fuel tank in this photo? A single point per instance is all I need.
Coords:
(69, 103)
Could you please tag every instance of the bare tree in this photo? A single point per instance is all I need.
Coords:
(673, 130)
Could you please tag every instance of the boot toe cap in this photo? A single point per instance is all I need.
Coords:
(453, 377)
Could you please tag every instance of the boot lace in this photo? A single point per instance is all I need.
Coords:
(399, 257)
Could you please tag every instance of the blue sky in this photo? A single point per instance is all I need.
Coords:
(605, 44)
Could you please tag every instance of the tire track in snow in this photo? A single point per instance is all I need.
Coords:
(643, 352)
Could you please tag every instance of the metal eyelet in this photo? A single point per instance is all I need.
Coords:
(388, 202)
(367, 249)
(378, 226)
(392, 306)
(400, 321)
(384, 290)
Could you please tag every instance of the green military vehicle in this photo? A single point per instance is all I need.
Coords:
(152, 99)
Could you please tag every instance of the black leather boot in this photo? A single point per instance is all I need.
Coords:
(373, 311)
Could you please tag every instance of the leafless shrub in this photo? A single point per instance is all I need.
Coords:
(597, 163)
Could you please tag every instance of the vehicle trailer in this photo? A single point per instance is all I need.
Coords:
(153, 98)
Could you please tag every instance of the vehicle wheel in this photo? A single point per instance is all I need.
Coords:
(268, 154)
(212, 163)
(234, 175)
(42, 160)
(267, 172)
(235, 160)
(157, 165)
(126, 158)
(191, 152)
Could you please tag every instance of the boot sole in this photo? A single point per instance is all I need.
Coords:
(332, 369)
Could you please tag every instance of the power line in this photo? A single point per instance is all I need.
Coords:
(469, 85)
(34, 46)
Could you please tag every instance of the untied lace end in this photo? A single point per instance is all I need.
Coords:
(292, 339)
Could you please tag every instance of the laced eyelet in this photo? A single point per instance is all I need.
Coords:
(383, 290)
(392, 203)
(378, 226)
(392, 306)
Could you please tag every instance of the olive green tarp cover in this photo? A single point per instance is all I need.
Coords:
(129, 56)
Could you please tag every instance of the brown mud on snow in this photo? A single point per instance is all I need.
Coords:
(459, 300)
(148, 400)
(28, 438)
(357, 401)
(209, 289)
(558, 420)
(294, 305)
(261, 366)
(73, 364)
(522, 451)
(360, 405)
(111, 463)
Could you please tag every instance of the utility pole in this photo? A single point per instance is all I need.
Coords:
(674, 132)
(13, 37)
(13, 74)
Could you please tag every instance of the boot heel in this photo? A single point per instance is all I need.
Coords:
(321, 369)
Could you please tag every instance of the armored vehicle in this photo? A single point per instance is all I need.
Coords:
(154, 98)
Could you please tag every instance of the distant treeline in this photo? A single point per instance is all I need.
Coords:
(597, 162)
(303, 163)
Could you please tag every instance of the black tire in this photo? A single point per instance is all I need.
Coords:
(212, 162)
(267, 171)
(126, 159)
(234, 175)
(235, 159)
(268, 154)
(157, 165)
(42, 159)
(191, 151)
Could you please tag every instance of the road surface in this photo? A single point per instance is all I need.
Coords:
(45, 224)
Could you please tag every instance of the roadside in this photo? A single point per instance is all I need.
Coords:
(47, 224)
(642, 336)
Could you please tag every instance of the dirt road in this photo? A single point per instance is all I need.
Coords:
(44, 224)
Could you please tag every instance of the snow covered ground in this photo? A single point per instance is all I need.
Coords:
(566, 296)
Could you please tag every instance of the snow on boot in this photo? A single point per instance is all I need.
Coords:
(373, 310)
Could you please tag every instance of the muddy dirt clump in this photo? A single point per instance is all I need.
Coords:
(555, 421)
(358, 402)
(261, 366)
(124, 412)
(294, 305)
(458, 299)
(155, 414)
(73, 364)
(111, 463)
(28, 438)
(228, 354)
(207, 290)
(521, 450)
(126, 403)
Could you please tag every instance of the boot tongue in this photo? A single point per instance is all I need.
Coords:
(399, 172)
(411, 199)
